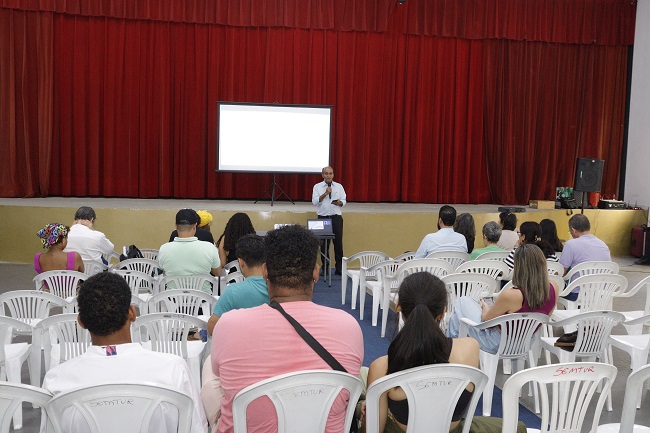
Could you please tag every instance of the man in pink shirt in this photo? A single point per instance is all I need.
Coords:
(254, 344)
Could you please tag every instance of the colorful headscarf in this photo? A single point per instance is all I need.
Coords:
(52, 234)
(206, 217)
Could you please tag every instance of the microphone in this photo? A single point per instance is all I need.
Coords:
(329, 185)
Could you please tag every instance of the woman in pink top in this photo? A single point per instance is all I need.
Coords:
(531, 293)
(55, 238)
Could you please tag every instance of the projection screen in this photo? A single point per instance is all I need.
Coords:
(272, 138)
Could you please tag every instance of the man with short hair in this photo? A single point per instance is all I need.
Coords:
(201, 233)
(85, 240)
(254, 344)
(330, 198)
(249, 293)
(445, 239)
(187, 255)
(104, 305)
(584, 247)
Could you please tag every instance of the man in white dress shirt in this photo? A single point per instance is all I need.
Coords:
(85, 240)
(330, 198)
(445, 239)
(104, 304)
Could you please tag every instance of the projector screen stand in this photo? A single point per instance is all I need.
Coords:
(274, 197)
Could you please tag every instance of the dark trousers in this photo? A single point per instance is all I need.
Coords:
(337, 228)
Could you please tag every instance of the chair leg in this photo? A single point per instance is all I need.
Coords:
(362, 301)
(355, 290)
(13, 375)
(375, 307)
(507, 366)
(488, 364)
(344, 282)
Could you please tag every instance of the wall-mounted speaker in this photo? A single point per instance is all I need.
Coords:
(589, 174)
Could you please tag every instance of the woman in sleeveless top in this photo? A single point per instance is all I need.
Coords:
(54, 238)
(237, 226)
(531, 292)
(422, 304)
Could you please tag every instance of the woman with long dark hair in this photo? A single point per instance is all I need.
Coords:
(465, 226)
(237, 226)
(422, 304)
(530, 232)
(549, 234)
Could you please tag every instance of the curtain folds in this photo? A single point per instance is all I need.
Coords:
(99, 105)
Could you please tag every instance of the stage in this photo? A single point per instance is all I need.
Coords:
(389, 227)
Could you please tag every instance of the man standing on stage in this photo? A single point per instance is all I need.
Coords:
(330, 197)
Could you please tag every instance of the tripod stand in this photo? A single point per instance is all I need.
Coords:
(274, 197)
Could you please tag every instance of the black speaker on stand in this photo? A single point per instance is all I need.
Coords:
(589, 176)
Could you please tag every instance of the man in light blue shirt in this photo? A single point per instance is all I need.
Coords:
(445, 239)
(330, 198)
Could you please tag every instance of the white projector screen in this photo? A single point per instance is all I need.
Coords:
(273, 138)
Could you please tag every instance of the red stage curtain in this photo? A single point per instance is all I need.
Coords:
(417, 118)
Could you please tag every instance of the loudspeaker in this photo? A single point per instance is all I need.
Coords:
(589, 174)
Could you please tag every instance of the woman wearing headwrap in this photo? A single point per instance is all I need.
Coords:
(54, 238)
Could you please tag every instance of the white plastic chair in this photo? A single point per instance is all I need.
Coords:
(432, 392)
(121, 407)
(518, 336)
(633, 388)
(142, 285)
(390, 283)
(456, 258)
(637, 328)
(302, 399)
(149, 253)
(29, 306)
(61, 338)
(494, 255)
(591, 268)
(406, 256)
(374, 287)
(92, 267)
(181, 301)
(366, 259)
(636, 345)
(475, 286)
(13, 356)
(566, 391)
(12, 395)
(111, 258)
(494, 268)
(204, 283)
(555, 268)
(63, 284)
(147, 266)
(596, 293)
(167, 333)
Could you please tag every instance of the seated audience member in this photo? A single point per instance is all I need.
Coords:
(532, 293)
(445, 239)
(422, 302)
(491, 235)
(465, 226)
(237, 226)
(105, 310)
(254, 344)
(249, 293)
(531, 233)
(205, 219)
(187, 255)
(509, 237)
(583, 247)
(201, 233)
(85, 240)
(549, 234)
(55, 238)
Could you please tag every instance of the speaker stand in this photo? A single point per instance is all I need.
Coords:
(274, 197)
(582, 210)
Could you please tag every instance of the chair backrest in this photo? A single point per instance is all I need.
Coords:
(408, 255)
(149, 253)
(111, 257)
(566, 391)
(123, 407)
(73, 340)
(235, 277)
(11, 397)
(181, 301)
(187, 282)
(590, 268)
(29, 306)
(559, 282)
(456, 258)
(92, 267)
(9, 325)
(494, 255)
(594, 328)
(368, 259)
(437, 267)
(554, 268)
(596, 291)
(60, 283)
(432, 392)
(518, 333)
(633, 387)
(493, 268)
(229, 266)
(138, 281)
(302, 399)
(381, 269)
(147, 266)
(167, 332)
(475, 286)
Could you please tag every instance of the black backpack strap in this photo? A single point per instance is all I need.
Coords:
(310, 340)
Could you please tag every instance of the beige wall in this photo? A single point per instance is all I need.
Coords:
(391, 233)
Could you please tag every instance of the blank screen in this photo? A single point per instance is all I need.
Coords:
(273, 138)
